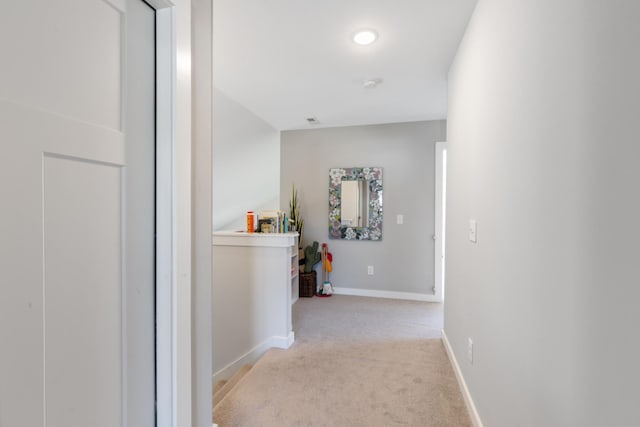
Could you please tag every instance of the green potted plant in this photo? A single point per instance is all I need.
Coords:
(297, 222)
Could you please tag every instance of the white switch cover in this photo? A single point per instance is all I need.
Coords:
(470, 350)
(370, 270)
(400, 219)
(473, 235)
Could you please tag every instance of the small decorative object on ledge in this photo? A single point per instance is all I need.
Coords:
(251, 219)
(296, 221)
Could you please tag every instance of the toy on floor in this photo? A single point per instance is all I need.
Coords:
(327, 258)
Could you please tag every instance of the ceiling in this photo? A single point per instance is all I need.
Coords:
(288, 60)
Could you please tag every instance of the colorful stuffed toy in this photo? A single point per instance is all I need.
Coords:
(327, 262)
(327, 268)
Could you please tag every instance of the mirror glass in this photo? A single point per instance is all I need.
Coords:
(355, 203)
(354, 209)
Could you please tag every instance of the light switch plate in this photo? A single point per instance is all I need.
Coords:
(473, 231)
(400, 219)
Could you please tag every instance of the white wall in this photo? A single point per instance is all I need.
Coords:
(251, 299)
(403, 260)
(246, 164)
(543, 130)
(201, 211)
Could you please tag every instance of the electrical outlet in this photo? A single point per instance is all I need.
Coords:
(370, 270)
(470, 350)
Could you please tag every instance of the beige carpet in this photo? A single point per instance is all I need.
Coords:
(356, 362)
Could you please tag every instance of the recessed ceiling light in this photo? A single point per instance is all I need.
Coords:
(365, 37)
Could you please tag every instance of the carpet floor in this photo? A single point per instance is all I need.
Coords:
(356, 362)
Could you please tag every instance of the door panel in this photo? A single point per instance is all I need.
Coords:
(77, 217)
(82, 293)
(73, 65)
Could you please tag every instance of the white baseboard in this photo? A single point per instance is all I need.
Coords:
(471, 407)
(249, 358)
(283, 342)
(252, 356)
(413, 296)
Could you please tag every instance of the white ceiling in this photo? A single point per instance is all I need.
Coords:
(286, 60)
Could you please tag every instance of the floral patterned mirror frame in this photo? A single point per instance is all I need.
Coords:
(373, 176)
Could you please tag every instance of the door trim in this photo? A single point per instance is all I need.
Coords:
(173, 213)
(184, 218)
(165, 263)
(440, 218)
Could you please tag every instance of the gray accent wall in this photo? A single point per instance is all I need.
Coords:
(543, 132)
(246, 164)
(404, 260)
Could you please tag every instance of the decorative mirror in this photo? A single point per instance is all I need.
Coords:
(355, 203)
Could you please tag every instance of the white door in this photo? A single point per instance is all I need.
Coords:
(440, 219)
(77, 213)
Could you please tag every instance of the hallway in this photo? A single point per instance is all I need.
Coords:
(356, 362)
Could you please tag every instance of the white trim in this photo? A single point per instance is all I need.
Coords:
(159, 4)
(173, 299)
(173, 215)
(242, 238)
(283, 342)
(181, 190)
(468, 400)
(253, 355)
(249, 358)
(165, 375)
(412, 296)
(440, 218)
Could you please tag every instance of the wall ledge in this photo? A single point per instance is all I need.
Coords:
(242, 238)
